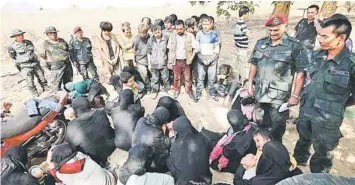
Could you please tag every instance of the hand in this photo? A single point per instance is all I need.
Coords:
(7, 106)
(229, 97)
(293, 101)
(249, 161)
(163, 127)
(189, 61)
(250, 90)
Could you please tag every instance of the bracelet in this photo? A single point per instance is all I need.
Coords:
(293, 95)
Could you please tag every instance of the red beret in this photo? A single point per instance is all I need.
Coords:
(275, 20)
(76, 29)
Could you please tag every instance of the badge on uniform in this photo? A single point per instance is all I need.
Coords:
(339, 72)
(263, 46)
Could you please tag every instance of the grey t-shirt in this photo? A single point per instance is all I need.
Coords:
(140, 45)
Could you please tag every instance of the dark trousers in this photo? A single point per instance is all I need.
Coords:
(85, 69)
(180, 68)
(158, 74)
(211, 72)
(29, 73)
(268, 117)
(324, 141)
(61, 75)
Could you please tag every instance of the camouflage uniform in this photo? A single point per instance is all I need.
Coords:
(323, 102)
(81, 55)
(276, 66)
(27, 62)
(58, 63)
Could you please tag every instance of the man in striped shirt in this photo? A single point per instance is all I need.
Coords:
(241, 38)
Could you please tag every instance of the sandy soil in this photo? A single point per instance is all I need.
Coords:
(211, 114)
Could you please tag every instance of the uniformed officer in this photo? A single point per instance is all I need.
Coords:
(26, 61)
(274, 61)
(331, 89)
(56, 53)
(81, 55)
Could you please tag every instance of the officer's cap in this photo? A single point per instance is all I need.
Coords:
(276, 20)
(51, 29)
(17, 32)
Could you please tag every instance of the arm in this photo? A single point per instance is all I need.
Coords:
(238, 177)
(234, 87)
(190, 60)
(104, 57)
(300, 63)
(351, 99)
(149, 50)
(71, 51)
(43, 52)
(12, 54)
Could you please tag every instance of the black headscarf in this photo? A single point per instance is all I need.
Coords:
(135, 164)
(159, 117)
(273, 165)
(18, 155)
(173, 106)
(237, 120)
(189, 157)
(80, 105)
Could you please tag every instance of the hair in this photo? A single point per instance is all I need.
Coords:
(156, 27)
(195, 17)
(80, 105)
(147, 19)
(263, 133)
(61, 154)
(190, 22)
(98, 102)
(168, 19)
(143, 28)
(125, 76)
(174, 17)
(342, 25)
(115, 80)
(243, 10)
(210, 18)
(159, 22)
(106, 26)
(203, 16)
(126, 24)
(205, 19)
(314, 6)
(179, 22)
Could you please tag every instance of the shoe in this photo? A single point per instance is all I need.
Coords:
(215, 98)
(196, 99)
(191, 95)
(176, 94)
(154, 95)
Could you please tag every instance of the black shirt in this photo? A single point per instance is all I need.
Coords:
(110, 50)
(306, 31)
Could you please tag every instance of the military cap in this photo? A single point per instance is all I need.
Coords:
(77, 29)
(276, 20)
(17, 32)
(51, 29)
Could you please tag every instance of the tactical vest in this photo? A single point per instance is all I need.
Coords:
(24, 54)
(188, 47)
(82, 50)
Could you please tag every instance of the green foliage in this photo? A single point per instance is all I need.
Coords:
(225, 8)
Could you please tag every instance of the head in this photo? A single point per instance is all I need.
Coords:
(237, 120)
(159, 22)
(180, 27)
(211, 19)
(261, 137)
(126, 30)
(17, 154)
(80, 105)
(61, 154)
(334, 32)
(203, 16)
(19, 38)
(173, 17)
(244, 12)
(98, 102)
(157, 31)
(276, 26)
(78, 32)
(115, 80)
(127, 79)
(162, 115)
(147, 21)
(195, 18)
(225, 69)
(206, 24)
(69, 114)
(312, 11)
(143, 30)
(106, 28)
(165, 101)
(168, 21)
(182, 127)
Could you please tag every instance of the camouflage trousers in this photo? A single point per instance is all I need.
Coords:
(61, 76)
(28, 73)
(242, 65)
(85, 69)
(324, 141)
(268, 117)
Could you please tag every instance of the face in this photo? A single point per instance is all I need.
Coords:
(180, 29)
(276, 32)
(143, 34)
(246, 16)
(330, 40)
(108, 33)
(130, 82)
(52, 36)
(168, 26)
(206, 25)
(127, 32)
(190, 30)
(311, 13)
(79, 34)
(20, 38)
(260, 141)
(157, 34)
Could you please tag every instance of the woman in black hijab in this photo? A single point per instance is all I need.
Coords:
(273, 166)
(174, 107)
(188, 159)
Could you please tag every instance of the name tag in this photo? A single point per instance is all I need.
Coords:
(339, 72)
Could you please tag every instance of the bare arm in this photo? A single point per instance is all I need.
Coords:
(252, 73)
(299, 80)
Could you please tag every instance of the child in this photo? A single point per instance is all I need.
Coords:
(129, 94)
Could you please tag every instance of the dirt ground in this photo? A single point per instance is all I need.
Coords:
(212, 114)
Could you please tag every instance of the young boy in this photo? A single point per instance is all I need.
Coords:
(129, 92)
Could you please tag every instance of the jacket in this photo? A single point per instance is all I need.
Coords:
(158, 52)
(104, 50)
(56, 53)
(189, 38)
(80, 51)
(23, 54)
(126, 45)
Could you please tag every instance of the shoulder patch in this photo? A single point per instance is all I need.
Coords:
(352, 57)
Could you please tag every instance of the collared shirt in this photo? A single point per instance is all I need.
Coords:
(306, 31)
(332, 82)
(80, 50)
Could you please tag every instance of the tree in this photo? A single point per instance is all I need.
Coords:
(281, 7)
(328, 8)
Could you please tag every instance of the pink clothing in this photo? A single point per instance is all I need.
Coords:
(248, 110)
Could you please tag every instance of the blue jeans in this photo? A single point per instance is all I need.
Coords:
(211, 72)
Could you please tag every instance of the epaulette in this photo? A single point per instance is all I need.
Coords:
(352, 57)
(293, 39)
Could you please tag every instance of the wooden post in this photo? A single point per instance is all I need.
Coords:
(328, 8)
(282, 7)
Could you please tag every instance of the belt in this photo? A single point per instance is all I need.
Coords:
(180, 59)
